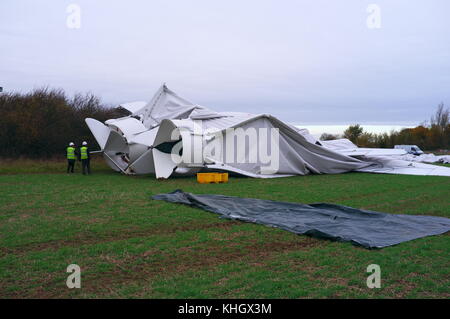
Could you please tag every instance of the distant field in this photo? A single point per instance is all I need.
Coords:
(54, 166)
(130, 246)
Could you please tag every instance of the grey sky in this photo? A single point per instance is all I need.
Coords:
(304, 61)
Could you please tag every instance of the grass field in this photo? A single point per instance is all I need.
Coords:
(130, 246)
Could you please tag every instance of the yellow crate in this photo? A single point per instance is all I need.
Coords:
(206, 178)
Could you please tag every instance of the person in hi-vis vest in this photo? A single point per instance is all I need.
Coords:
(85, 158)
(71, 157)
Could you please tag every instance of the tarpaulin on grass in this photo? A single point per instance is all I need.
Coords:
(336, 222)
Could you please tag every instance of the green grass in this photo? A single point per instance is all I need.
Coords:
(36, 166)
(129, 246)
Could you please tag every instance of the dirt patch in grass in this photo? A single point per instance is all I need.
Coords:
(94, 238)
(137, 269)
(186, 260)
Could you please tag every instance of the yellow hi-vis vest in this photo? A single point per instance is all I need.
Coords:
(71, 153)
(83, 152)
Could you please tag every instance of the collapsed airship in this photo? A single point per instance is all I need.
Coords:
(171, 136)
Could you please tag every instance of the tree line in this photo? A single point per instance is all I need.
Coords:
(428, 136)
(41, 123)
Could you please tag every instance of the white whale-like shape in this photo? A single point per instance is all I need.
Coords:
(143, 143)
(99, 130)
(116, 152)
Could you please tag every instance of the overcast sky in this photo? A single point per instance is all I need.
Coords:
(306, 62)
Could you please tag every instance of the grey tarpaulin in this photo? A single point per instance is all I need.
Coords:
(336, 222)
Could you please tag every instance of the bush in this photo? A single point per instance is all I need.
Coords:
(427, 137)
(328, 137)
(41, 123)
(353, 132)
(431, 137)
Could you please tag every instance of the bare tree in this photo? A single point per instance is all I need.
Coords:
(441, 118)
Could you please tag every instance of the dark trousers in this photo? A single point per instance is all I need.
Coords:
(85, 163)
(70, 165)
